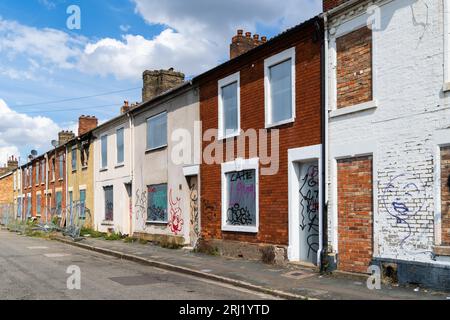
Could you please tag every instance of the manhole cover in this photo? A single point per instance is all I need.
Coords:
(137, 280)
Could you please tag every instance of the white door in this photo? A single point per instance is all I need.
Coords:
(309, 211)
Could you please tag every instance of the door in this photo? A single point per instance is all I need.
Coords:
(309, 211)
(194, 233)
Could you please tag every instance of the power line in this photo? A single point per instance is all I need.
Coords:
(62, 110)
(73, 99)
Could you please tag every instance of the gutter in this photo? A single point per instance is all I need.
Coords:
(131, 121)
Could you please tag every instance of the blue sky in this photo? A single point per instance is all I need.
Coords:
(41, 60)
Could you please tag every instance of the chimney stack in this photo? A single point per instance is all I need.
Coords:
(86, 124)
(240, 44)
(125, 108)
(13, 163)
(159, 81)
(65, 136)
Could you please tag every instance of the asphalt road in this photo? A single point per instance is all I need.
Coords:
(36, 269)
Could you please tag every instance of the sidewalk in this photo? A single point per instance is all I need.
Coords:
(286, 282)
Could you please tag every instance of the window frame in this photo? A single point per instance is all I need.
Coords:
(104, 199)
(38, 205)
(120, 163)
(148, 221)
(61, 166)
(239, 165)
(103, 167)
(74, 159)
(236, 77)
(147, 146)
(42, 168)
(37, 169)
(268, 63)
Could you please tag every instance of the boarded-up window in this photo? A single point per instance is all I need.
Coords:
(354, 68)
(241, 198)
(157, 203)
(58, 203)
(445, 195)
(109, 203)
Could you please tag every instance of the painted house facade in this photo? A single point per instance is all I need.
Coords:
(80, 171)
(113, 176)
(388, 137)
(262, 198)
(166, 153)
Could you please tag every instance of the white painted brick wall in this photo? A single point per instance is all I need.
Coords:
(408, 79)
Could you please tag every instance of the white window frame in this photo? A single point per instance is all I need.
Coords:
(118, 164)
(268, 63)
(103, 168)
(236, 77)
(147, 147)
(237, 166)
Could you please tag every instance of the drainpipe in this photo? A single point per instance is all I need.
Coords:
(324, 129)
(131, 165)
(47, 169)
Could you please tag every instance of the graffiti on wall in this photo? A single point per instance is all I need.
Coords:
(157, 203)
(195, 218)
(176, 221)
(309, 207)
(404, 200)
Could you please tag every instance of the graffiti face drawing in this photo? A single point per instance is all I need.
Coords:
(403, 198)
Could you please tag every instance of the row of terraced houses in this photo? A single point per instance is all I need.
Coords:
(327, 145)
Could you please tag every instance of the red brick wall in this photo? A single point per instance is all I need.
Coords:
(445, 195)
(6, 190)
(354, 68)
(330, 4)
(306, 131)
(355, 214)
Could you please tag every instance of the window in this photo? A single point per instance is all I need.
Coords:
(43, 171)
(109, 203)
(104, 141)
(445, 195)
(19, 208)
(71, 202)
(53, 169)
(157, 131)
(38, 205)
(280, 88)
(29, 206)
(120, 145)
(37, 169)
(157, 204)
(15, 181)
(82, 203)
(240, 199)
(59, 203)
(61, 166)
(229, 106)
(74, 159)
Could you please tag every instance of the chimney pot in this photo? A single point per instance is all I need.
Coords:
(248, 34)
(256, 37)
(240, 45)
(264, 39)
(240, 32)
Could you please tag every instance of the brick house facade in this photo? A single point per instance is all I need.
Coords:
(251, 72)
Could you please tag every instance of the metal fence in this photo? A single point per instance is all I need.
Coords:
(69, 220)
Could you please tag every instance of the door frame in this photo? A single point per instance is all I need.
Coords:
(296, 156)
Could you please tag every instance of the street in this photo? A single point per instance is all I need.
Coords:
(36, 269)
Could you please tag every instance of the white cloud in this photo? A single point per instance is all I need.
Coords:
(19, 131)
(196, 37)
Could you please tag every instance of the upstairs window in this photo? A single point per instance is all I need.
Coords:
(120, 145)
(37, 169)
(43, 171)
(104, 155)
(74, 159)
(61, 167)
(229, 106)
(157, 131)
(280, 88)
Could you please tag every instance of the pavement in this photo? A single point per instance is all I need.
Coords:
(290, 282)
(36, 269)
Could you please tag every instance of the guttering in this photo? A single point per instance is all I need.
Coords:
(342, 7)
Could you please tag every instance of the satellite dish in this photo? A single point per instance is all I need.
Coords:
(54, 143)
(34, 153)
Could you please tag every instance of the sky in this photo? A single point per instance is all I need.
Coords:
(51, 73)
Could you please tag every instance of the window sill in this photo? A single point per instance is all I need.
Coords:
(120, 165)
(74, 171)
(107, 223)
(155, 149)
(442, 251)
(84, 168)
(446, 87)
(279, 123)
(103, 169)
(230, 136)
(240, 229)
(354, 109)
(157, 223)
